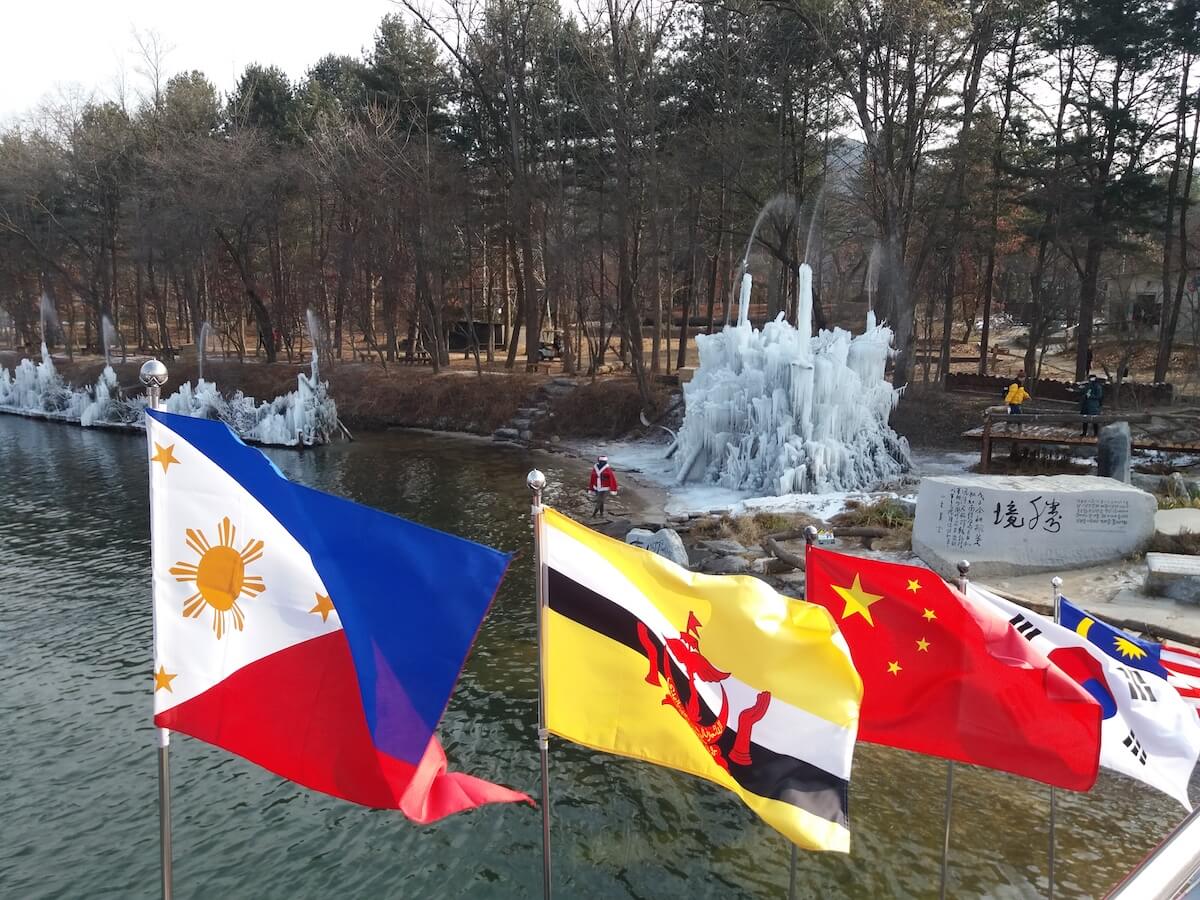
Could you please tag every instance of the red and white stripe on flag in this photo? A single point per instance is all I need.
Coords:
(1183, 671)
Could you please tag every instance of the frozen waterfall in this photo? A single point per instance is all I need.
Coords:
(304, 417)
(779, 411)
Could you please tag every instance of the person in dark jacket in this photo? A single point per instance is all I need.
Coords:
(1090, 400)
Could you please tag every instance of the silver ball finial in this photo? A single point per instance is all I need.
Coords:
(536, 480)
(810, 534)
(1056, 582)
(964, 567)
(153, 373)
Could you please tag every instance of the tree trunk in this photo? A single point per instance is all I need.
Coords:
(262, 316)
(1088, 288)
(1169, 321)
(689, 295)
(516, 320)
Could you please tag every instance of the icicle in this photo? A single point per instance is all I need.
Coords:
(783, 410)
(305, 416)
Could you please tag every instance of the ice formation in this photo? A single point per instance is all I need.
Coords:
(304, 417)
(779, 411)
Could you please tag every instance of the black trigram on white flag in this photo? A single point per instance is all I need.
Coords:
(1024, 627)
(1139, 688)
(1135, 747)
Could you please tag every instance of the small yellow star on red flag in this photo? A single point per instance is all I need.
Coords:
(857, 600)
(324, 607)
(923, 645)
(164, 455)
(914, 585)
(163, 679)
(929, 614)
(894, 668)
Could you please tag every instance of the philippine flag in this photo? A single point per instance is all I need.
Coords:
(313, 636)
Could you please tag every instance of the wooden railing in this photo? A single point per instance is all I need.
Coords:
(993, 413)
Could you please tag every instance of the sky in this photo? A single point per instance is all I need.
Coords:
(73, 47)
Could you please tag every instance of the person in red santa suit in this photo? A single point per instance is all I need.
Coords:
(602, 482)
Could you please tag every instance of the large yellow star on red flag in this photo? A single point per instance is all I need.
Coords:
(857, 600)
(164, 455)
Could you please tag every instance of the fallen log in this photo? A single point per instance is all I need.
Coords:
(796, 560)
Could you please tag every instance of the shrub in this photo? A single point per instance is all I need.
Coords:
(883, 513)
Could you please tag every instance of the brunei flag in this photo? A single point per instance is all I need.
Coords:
(717, 676)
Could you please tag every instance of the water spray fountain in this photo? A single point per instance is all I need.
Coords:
(779, 411)
(314, 338)
(108, 336)
(744, 281)
(49, 317)
(202, 346)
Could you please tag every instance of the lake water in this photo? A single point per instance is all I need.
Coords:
(78, 796)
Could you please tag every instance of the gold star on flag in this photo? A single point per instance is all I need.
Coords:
(857, 600)
(164, 455)
(163, 679)
(923, 645)
(894, 668)
(324, 607)
(929, 614)
(914, 585)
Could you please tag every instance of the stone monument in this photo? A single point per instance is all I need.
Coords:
(1114, 447)
(1008, 525)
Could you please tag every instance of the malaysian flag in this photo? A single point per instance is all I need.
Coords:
(1183, 671)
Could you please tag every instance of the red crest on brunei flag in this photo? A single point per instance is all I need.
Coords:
(709, 729)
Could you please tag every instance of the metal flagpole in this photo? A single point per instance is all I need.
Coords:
(946, 833)
(154, 375)
(1056, 588)
(537, 481)
(810, 538)
(964, 568)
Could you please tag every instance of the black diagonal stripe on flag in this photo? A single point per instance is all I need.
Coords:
(770, 774)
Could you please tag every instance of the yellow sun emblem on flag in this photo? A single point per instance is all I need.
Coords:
(220, 575)
(1128, 648)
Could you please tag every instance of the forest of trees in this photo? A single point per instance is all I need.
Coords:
(597, 170)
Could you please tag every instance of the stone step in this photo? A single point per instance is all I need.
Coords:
(1174, 521)
(1173, 575)
(506, 434)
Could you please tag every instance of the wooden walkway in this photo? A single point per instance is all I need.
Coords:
(1061, 429)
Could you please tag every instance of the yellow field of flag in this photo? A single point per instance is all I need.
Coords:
(717, 676)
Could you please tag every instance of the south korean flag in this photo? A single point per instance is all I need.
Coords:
(1149, 732)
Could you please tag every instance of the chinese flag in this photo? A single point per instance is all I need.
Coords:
(945, 677)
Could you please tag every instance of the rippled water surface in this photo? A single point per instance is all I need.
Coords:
(78, 802)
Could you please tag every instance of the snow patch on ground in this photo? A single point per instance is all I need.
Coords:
(645, 460)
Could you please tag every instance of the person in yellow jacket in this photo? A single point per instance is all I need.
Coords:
(1016, 395)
